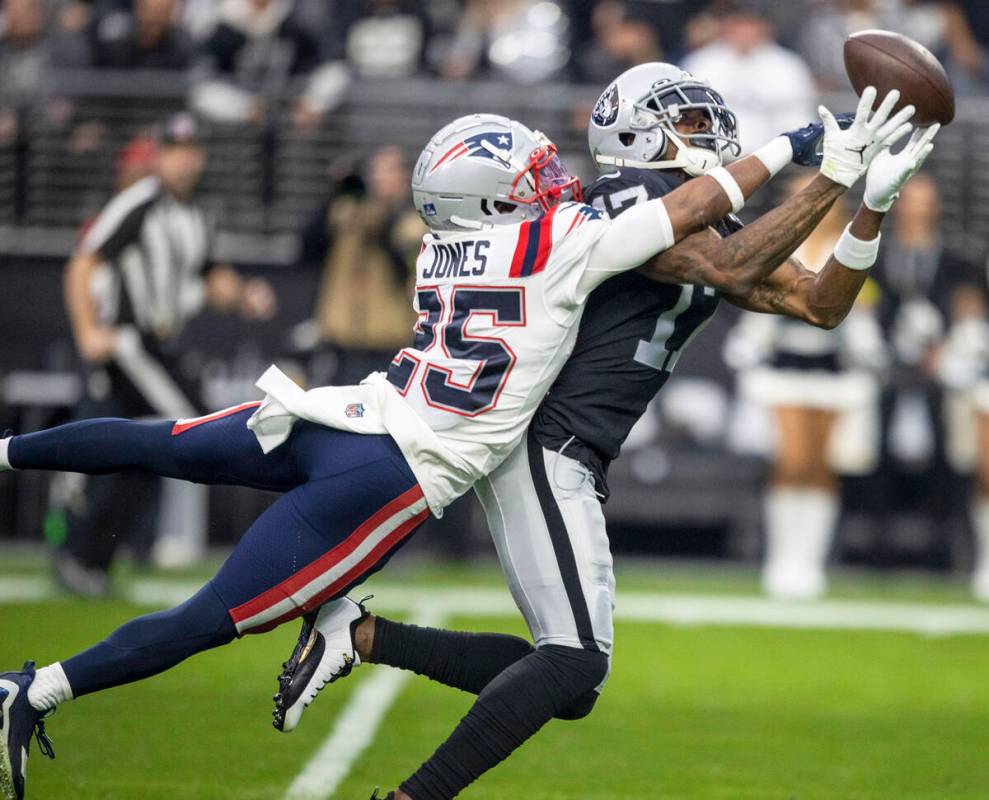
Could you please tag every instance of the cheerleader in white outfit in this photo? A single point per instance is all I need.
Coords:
(821, 389)
(963, 366)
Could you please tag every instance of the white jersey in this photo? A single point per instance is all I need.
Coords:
(498, 315)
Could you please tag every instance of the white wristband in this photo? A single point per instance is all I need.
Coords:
(731, 187)
(776, 154)
(854, 253)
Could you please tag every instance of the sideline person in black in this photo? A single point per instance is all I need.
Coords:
(142, 269)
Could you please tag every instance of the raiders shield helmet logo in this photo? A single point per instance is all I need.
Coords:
(606, 108)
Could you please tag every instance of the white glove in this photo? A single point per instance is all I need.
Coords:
(888, 172)
(848, 153)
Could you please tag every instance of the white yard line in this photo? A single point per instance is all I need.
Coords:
(725, 610)
(161, 592)
(673, 609)
(24, 589)
(356, 725)
(358, 721)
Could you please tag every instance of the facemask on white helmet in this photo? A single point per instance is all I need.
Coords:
(637, 131)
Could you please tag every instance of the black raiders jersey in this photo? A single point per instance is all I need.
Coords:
(630, 338)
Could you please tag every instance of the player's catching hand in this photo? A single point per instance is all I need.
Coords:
(848, 153)
(888, 171)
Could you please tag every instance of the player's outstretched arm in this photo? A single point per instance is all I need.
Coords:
(738, 264)
(824, 298)
(700, 203)
(655, 226)
(821, 298)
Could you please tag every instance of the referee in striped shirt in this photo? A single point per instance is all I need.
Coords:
(143, 268)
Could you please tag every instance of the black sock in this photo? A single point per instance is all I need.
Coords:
(509, 710)
(467, 661)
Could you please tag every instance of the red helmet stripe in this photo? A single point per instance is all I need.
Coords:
(451, 152)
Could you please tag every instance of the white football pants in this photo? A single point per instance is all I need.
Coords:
(549, 531)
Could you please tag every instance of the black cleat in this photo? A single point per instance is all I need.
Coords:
(324, 653)
(389, 796)
(19, 721)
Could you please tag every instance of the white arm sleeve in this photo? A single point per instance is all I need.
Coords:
(632, 239)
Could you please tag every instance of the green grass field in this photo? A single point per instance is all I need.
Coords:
(712, 711)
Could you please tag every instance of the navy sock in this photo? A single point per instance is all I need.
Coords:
(97, 447)
(217, 451)
(151, 644)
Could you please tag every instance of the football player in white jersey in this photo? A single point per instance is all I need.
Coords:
(500, 288)
(543, 502)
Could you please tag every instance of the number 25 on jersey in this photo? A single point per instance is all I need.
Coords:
(457, 369)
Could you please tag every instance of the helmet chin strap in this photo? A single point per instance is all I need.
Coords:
(695, 161)
(473, 224)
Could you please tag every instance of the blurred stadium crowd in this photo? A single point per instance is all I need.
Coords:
(239, 51)
(313, 110)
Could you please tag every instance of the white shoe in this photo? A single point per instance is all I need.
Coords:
(326, 651)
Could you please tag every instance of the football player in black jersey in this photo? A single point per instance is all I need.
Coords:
(657, 127)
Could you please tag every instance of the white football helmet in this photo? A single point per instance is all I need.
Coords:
(633, 122)
(483, 170)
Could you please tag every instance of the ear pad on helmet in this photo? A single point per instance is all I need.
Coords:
(661, 141)
(653, 145)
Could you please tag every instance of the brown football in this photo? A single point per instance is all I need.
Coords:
(890, 60)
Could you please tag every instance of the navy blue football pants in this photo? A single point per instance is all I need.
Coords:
(348, 502)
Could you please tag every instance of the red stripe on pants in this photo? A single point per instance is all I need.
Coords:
(380, 550)
(330, 559)
(183, 425)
